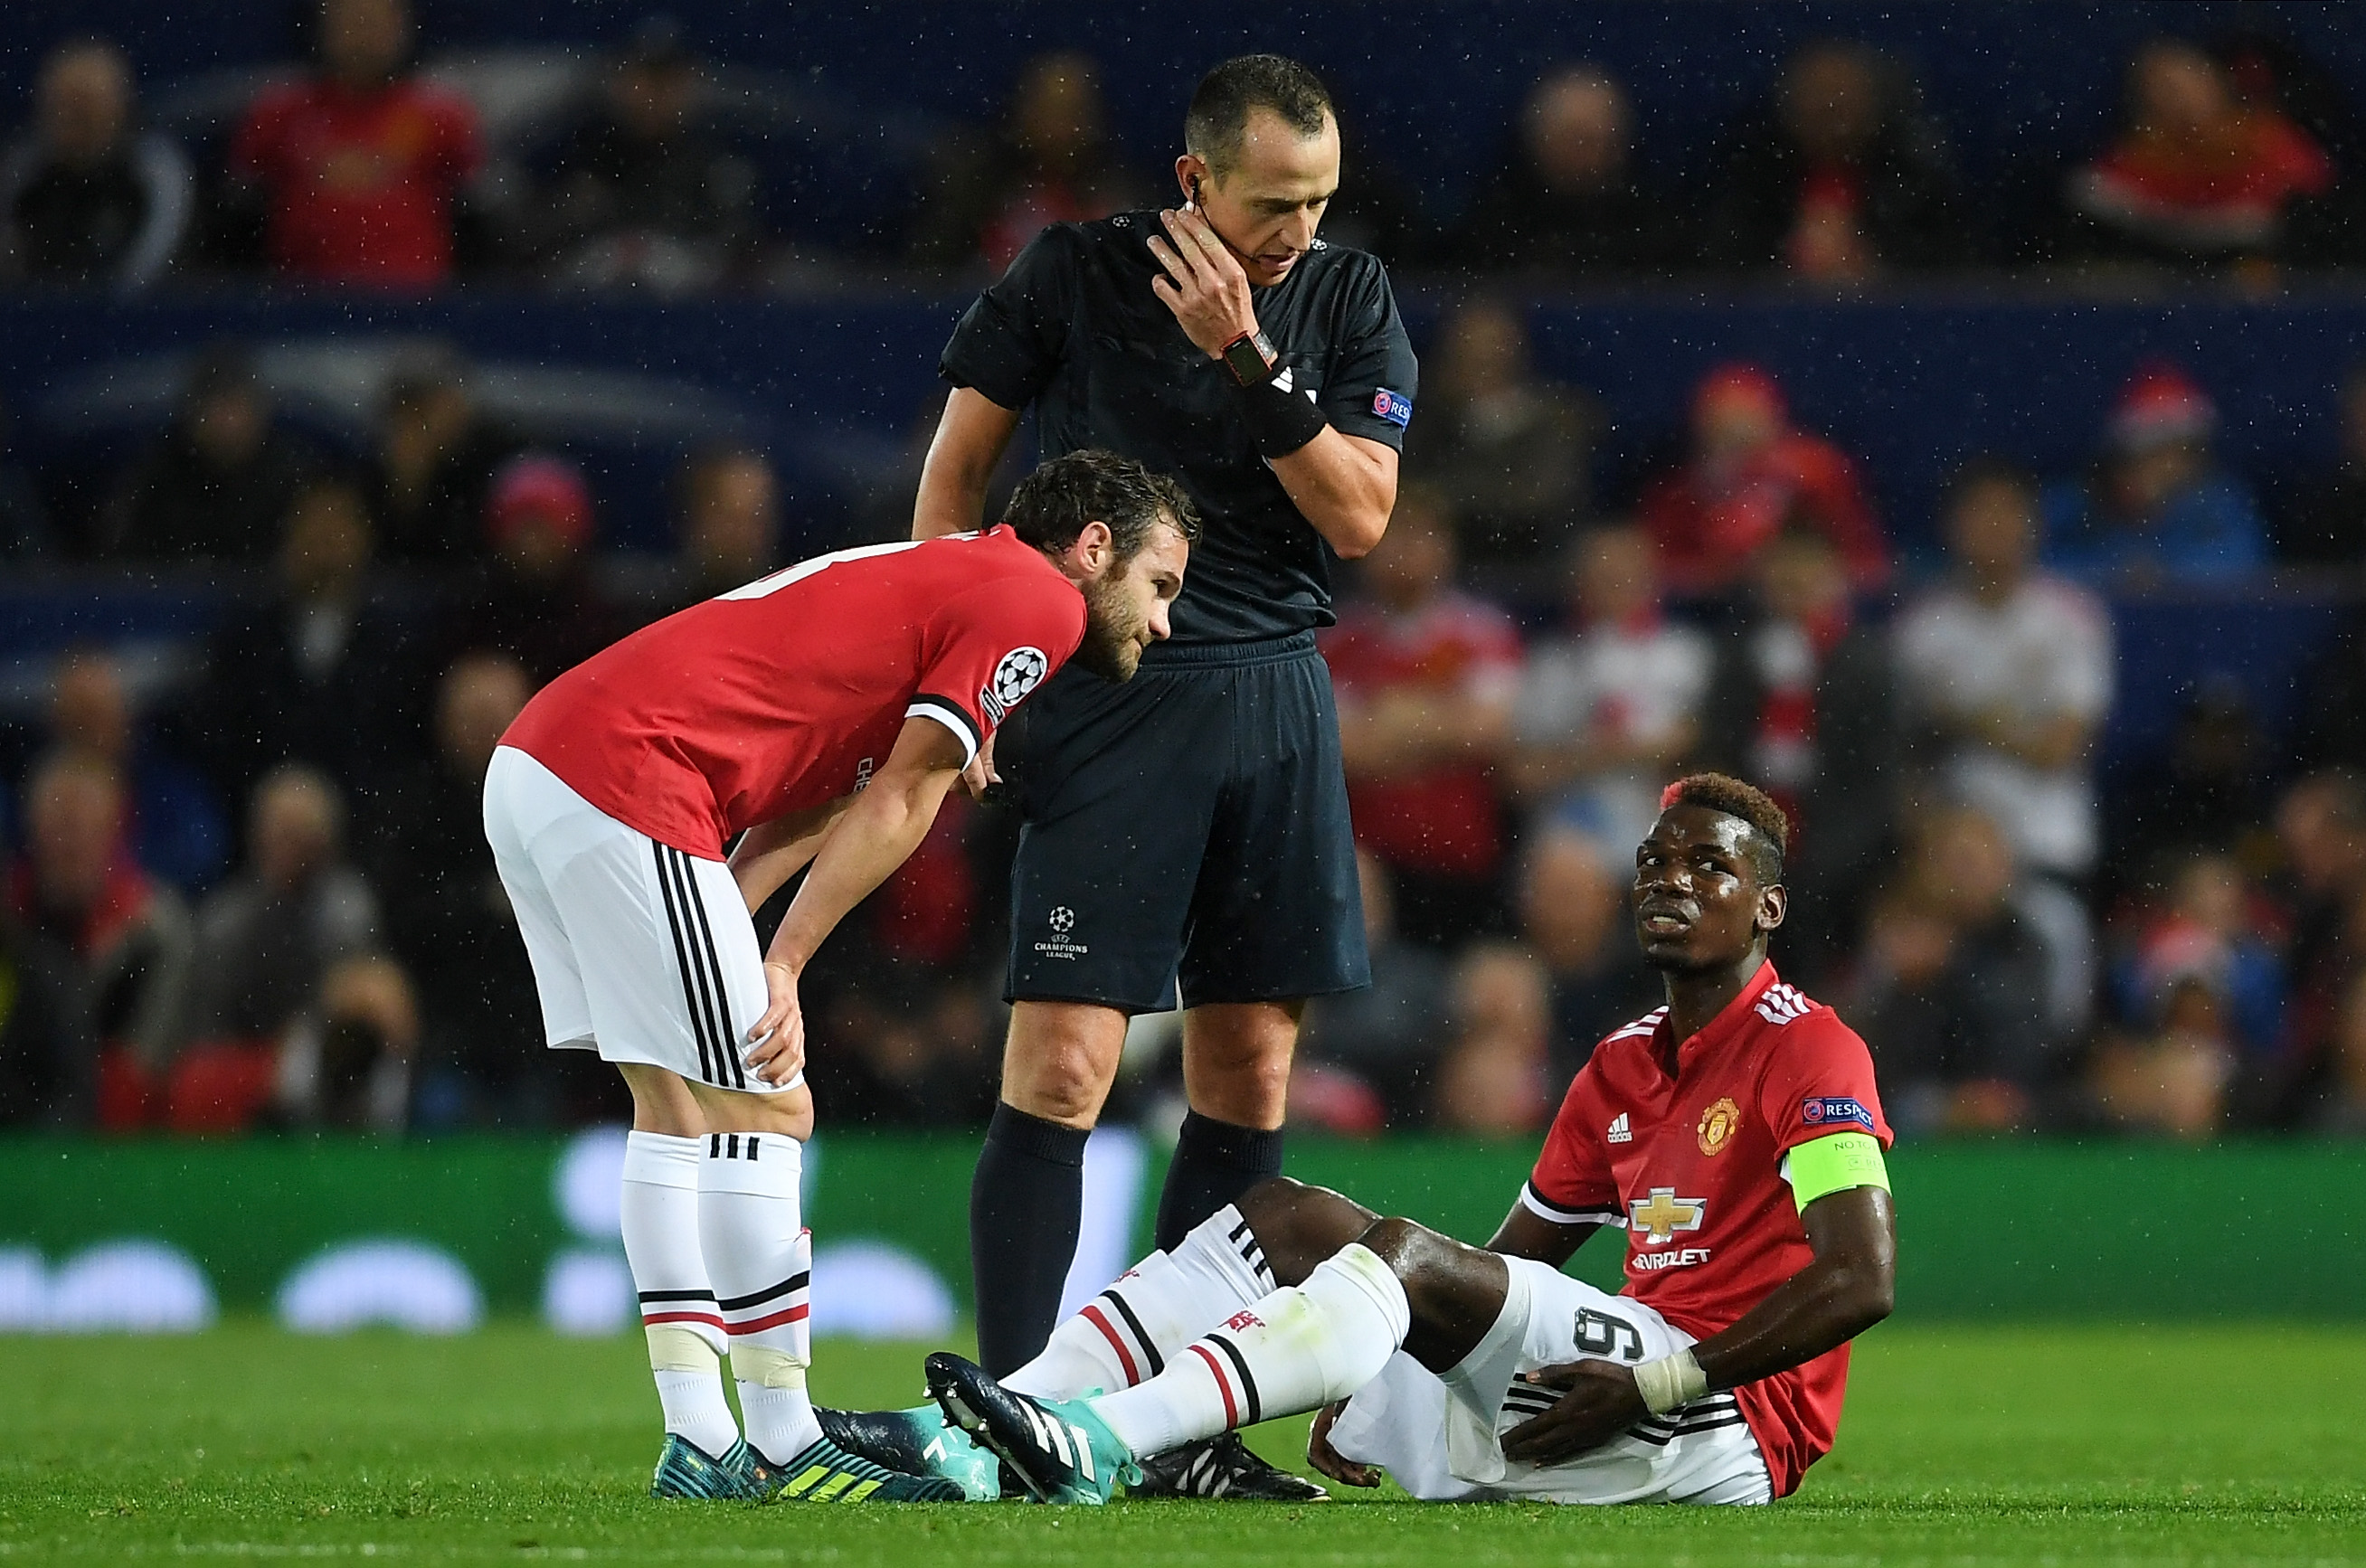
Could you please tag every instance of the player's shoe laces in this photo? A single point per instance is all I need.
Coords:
(1059, 1449)
(918, 1442)
(688, 1472)
(825, 1472)
(1222, 1467)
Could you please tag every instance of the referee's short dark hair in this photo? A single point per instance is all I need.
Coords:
(1053, 505)
(1220, 104)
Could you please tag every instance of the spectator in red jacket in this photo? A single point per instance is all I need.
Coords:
(2197, 175)
(1426, 678)
(1751, 474)
(360, 165)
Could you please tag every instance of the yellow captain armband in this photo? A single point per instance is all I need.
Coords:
(1834, 1163)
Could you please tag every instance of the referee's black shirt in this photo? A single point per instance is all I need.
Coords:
(1074, 328)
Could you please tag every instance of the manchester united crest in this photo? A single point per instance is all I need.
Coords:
(1717, 1125)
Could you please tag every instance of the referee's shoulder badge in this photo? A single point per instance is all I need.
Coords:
(1394, 407)
(1835, 1112)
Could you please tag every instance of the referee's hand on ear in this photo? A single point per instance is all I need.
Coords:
(1204, 285)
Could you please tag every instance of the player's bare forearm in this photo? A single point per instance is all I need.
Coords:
(771, 852)
(1345, 486)
(877, 833)
(1848, 1289)
(969, 440)
(1526, 1234)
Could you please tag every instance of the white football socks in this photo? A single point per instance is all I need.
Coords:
(1129, 1332)
(679, 1316)
(761, 1261)
(1296, 1351)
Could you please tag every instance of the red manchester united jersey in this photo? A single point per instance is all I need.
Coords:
(1692, 1168)
(784, 694)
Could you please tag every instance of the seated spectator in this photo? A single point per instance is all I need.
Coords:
(1492, 1078)
(49, 1059)
(1053, 163)
(2208, 792)
(1382, 1044)
(27, 536)
(216, 483)
(2320, 519)
(85, 198)
(1426, 676)
(1803, 703)
(2005, 674)
(345, 1060)
(1609, 707)
(436, 454)
(172, 817)
(1750, 474)
(2209, 933)
(535, 599)
(2196, 175)
(728, 531)
(267, 937)
(1837, 178)
(2321, 829)
(2159, 510)
(78, 885)
(1512, 451)
(1569, 199)
(1573, 916)
(321, 669)
(359, 166)
(1950, 988)
(2173, 1075)
(646, 192)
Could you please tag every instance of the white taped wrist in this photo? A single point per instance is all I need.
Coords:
(1670, 1382)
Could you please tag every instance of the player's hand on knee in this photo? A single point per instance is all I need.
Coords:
(777, 1039)
(1330, 1460)
(1204, 285)
(1598, 1400)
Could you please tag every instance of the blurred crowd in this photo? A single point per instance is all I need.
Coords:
(246, 884)
(251, 888)
(645, 167)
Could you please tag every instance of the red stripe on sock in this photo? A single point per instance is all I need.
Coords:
(1092, 1314)
(1232, 1410)
(706, 1317)
(758, 1326)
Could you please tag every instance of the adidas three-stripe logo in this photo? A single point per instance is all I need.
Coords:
(1252, 1252)
(1784, 1004)
(1052, 1434)
(702, 971)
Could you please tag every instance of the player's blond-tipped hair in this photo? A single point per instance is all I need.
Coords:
(1722, 792)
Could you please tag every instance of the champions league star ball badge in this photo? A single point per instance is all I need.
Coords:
(1021, 671)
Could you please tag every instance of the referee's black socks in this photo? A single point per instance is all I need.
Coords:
(1025, 1205)
(1215, 1162)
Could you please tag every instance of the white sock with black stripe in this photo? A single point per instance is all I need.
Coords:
(1296, 1351)
(659, 1211)
(1126, 1334)
(761, 1260)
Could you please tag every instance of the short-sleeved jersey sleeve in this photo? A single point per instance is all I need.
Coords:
(1820, 1082)
(1571, 1183)
(1373, 376)
(988, 648)
(1015, 334)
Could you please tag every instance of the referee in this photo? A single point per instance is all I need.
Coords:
(1185, 833)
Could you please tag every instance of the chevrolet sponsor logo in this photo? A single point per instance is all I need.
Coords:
(1659, 1217)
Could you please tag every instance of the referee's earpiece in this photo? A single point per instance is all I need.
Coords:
(1197, 206)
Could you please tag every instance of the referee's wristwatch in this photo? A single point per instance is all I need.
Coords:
(1251, 359)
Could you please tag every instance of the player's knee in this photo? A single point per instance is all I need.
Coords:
(1298, 1226)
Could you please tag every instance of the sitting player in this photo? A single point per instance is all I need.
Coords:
(1714, 1376)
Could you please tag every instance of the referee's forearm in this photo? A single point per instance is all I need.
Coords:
(1344, 487)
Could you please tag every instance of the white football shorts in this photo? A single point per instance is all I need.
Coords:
(640, 951)
(1441, 1439)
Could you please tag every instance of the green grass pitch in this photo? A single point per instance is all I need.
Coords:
(2226, 1444)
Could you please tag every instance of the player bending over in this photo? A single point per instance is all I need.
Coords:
(823, 712)
(1736, 1136)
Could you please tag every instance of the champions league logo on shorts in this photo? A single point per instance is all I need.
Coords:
(1061, 920)
(1021, 671)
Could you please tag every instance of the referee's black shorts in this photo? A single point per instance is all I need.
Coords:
(1188, 826)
